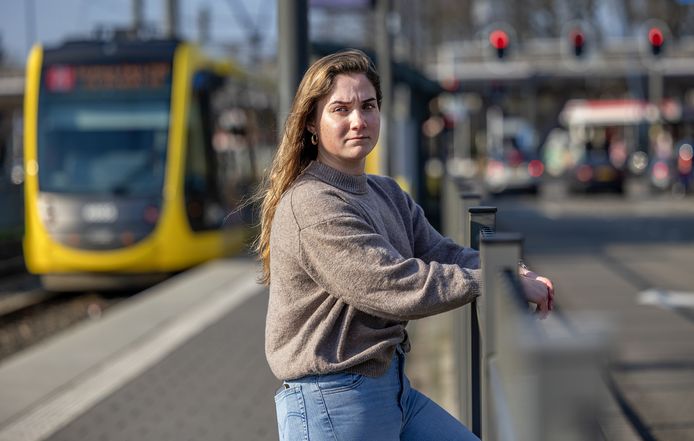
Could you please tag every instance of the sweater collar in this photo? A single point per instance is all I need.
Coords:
(329, 175)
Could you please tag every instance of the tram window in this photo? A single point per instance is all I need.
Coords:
(106, 145)
(233, 142)
(202, 207)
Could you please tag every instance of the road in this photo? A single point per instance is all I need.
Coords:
(603, 252)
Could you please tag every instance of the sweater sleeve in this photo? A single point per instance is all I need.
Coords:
(350, 260)
(430, 246)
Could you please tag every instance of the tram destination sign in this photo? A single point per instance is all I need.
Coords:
(101, 77)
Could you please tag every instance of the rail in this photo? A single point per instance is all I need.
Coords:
(519, 378)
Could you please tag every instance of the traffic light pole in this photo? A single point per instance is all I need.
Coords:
(171, 18)
(138, 15)
(655, 86)
(383, 50)
(292, 48)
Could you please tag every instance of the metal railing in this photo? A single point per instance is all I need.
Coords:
(520, 378)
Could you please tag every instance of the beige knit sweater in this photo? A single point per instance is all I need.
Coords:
(352, 259)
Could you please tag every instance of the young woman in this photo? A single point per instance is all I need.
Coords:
(350, 258)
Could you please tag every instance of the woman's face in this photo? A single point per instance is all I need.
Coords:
(347, 123)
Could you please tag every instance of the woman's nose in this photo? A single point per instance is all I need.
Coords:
(357, 121)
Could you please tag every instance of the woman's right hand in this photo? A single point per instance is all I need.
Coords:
(538, 290)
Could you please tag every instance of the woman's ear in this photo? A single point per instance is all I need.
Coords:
(311, 127)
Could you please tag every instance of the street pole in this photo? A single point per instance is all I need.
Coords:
(384, 54)
(292, 48)
(204, 25)
(137, 11)
(171, 18)
(30, 19)
(655, 86)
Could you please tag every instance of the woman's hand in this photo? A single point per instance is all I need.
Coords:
(538, 290)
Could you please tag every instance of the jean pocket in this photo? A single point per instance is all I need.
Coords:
(291, 414)
(335, 383)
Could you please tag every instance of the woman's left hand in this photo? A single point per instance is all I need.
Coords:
(538, 290)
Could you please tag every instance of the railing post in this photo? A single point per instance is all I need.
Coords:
(498, 252)
(461, 326)
(469, 200)
(480, 219)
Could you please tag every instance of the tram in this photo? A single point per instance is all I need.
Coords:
(126, 179)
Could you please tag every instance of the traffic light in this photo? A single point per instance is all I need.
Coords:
(499, 40)
(577, 40)
(656, 40)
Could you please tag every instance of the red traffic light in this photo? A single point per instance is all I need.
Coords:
(656, 39)
(499, 41)
(578, 41)
(577, 38)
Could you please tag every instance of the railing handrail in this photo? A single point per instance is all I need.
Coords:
(500, 327)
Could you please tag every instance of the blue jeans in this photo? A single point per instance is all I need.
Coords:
(351, 407)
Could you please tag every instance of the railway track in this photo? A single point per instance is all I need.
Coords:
(28, 314)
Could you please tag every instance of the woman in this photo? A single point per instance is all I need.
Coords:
(350, 258)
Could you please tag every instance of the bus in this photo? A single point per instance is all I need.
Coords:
(129, 176)
(609, 140)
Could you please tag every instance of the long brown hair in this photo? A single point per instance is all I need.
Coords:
(295, 150)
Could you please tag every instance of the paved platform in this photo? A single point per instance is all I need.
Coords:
(184, 362)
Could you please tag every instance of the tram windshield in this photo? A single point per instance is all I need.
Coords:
(103, 141)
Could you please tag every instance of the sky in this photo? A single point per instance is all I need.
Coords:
(56, 20)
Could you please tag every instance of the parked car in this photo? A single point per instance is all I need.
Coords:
(513, 171)
(594, 172)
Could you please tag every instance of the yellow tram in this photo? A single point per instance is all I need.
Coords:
(132, 172)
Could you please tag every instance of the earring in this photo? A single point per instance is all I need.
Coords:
(314, 139)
